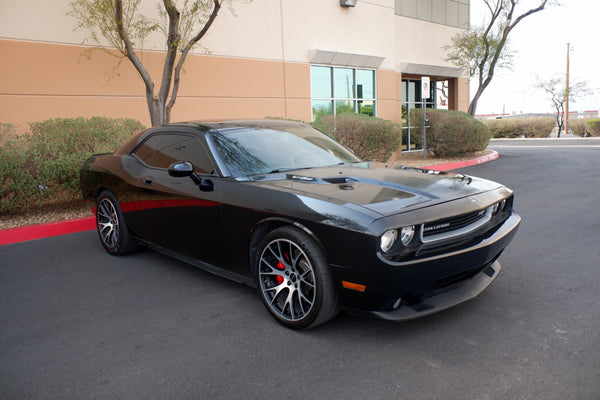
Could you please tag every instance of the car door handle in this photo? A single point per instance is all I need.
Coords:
(147, 181)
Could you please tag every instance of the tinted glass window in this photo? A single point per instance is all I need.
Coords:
(146, 151)
(162, 150)
(252, 151)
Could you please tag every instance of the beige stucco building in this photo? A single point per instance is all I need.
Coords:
(277, 58)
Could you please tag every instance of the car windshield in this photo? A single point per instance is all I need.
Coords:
(253, 150)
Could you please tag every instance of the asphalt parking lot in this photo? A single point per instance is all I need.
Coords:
(78, 323)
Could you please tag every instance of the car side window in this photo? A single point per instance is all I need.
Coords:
(160, 151)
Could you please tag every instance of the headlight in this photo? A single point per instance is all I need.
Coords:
(498, 206)
(406, 234)
(388, 239)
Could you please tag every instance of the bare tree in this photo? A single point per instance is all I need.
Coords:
(556, 88)
(482, 49)
(119, 23)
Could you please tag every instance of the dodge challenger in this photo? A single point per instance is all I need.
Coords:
(282, 207)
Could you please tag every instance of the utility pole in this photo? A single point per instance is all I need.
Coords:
(567, 93)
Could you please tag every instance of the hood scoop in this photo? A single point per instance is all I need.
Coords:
(340, 180)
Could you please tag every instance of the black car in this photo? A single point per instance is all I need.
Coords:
(283, 207)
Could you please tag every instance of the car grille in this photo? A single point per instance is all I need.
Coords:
(454, 226)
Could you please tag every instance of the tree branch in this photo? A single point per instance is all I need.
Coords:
(130, 53)
(184, 53)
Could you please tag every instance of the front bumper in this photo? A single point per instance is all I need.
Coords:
(455, 295)
(427, 285)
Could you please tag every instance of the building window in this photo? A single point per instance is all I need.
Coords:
(335, 90)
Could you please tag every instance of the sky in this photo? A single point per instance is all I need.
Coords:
(540, 45)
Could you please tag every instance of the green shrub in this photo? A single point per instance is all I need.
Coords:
(452, 133)
(534, 127)
(593, 126)
(370, 138)
(577, 127)
(44, 164)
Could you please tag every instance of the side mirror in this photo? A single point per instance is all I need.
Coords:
(185, 168)
(181, 169)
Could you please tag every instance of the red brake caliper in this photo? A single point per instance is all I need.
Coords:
(279, 277)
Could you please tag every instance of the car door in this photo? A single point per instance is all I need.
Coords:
(176, 213)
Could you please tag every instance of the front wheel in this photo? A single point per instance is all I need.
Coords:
(113, 232)
(293, 279)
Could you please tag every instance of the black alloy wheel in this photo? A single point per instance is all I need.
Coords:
(113, 232)
(293, 279)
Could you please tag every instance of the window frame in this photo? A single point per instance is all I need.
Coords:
(334, 100)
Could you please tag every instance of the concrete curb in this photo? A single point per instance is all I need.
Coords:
(40, 231)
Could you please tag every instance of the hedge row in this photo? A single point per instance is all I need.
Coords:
(535, 127)
(585, 127)
(44, 163)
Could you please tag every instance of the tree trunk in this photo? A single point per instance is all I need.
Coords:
(154, 109)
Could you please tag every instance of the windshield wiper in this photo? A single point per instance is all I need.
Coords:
(275, 171)
(291, 169)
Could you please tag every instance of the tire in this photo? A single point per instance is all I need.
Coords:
(293, 279)
(111, 227)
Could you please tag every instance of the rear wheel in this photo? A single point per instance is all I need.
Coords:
(293, 279)
(113, 232)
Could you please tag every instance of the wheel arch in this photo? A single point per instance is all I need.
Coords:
(101, 189)
(263, 227)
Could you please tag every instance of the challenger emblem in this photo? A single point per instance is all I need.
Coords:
(436, 227)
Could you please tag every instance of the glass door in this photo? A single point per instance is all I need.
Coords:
(411, 100)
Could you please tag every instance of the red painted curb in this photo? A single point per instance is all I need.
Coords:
(41, 231)
(461, 164)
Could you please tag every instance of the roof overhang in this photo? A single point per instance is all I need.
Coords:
(318, 56)
(431, 70)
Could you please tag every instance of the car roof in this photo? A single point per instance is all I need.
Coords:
(217, 125)
(205, 126)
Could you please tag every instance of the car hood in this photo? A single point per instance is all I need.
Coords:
(385, 191)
